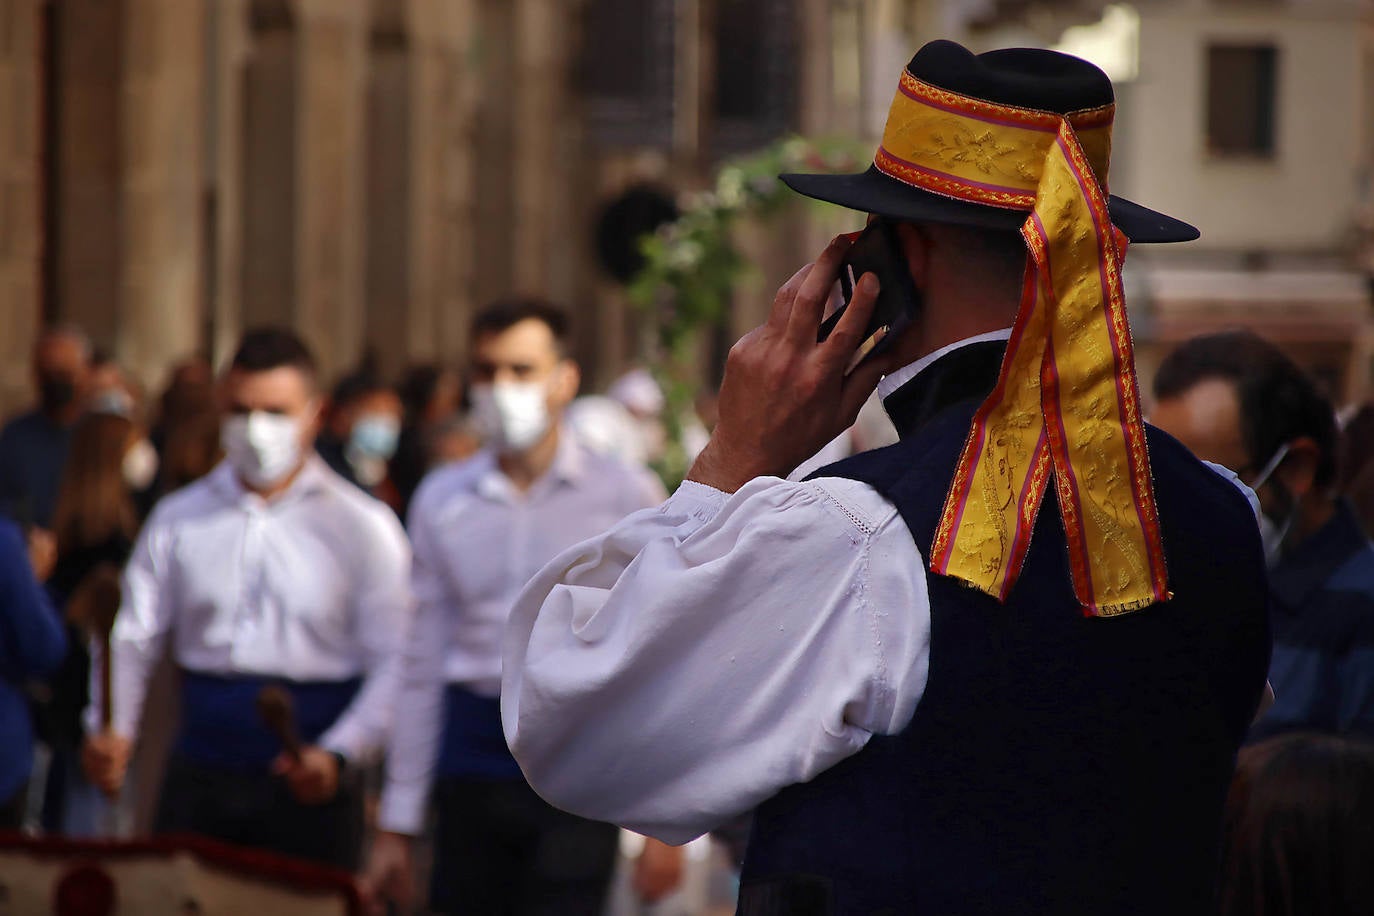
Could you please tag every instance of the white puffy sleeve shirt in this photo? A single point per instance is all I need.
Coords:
(690, 662)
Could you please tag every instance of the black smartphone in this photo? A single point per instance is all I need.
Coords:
(877, 250)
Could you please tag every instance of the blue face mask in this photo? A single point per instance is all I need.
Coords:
(375, 435)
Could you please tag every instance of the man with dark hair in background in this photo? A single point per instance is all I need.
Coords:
(33, 446)
(480, 529)
(270, 571)
(1237, 400)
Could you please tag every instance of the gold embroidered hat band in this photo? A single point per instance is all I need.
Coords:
(1018, 148)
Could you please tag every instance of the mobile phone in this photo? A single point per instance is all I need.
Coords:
(877, 250)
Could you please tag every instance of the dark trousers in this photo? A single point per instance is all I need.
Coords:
(500, 849)
(12, 809)
(259, 811)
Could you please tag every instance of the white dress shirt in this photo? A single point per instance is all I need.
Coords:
(477, 541)
(311, 586)
(692, 661)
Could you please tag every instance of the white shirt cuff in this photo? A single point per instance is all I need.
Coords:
(695, 500)
(402, 810)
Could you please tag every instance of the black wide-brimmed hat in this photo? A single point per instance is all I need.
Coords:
(1027, 78)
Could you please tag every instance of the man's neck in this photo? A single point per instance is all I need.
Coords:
(524, 468)
(270, 493)
(1313, 514)
(62, 417)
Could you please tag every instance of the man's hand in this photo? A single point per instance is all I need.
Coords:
(658, 870)
(42, 553)
(105, 758)
(313, 779)
(784, 395)
(390, 873)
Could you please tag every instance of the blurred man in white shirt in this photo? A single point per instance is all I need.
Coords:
(272, 570)
(481, 529)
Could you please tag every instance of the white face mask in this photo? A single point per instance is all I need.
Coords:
(140, 466)
(262, 448)
(1272, 534)
(512, 415)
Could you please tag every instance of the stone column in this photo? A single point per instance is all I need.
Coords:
(266, 149)
(446, 76)
(230, 52)
(331, 68)
(538, 67)
(21, 228)
(162, 123)
(420, 202)
(85, 165)
(494, 150)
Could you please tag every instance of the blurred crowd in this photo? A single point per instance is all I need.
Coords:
(271, 607)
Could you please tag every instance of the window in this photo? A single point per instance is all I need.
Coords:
(756, 97)
(628, 56)
(1242, 83)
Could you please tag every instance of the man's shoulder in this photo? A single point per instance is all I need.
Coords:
(1181, 478)
(21, 424)
(449, 486)
(609, 473)
(197, 499)
(1355, 576)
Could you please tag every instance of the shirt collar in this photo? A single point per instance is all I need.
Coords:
(895, 380)
(1314, 561)
(313, 478)
(568, 465)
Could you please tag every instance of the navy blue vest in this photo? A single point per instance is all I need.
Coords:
(1056, 763)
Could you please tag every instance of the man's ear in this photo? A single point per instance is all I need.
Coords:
(567, 378)
(916, 249)
(1298, 470)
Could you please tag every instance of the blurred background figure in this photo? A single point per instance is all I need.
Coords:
(640, 395)
(33, 445)
(186, 431)
(480, 529)
(361, 431)
(1357, 464)
(1300, 829)
(1235, 399)
(431, 427)
(315, 604)
(95, 524)
(603, 425)
(111, 389)
(31, 646)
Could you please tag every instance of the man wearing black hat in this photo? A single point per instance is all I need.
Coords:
(1002, 666)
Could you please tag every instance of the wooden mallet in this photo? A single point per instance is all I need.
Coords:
(277, 711)
(93, 607)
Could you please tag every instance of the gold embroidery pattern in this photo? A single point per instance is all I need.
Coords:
(1066, 403)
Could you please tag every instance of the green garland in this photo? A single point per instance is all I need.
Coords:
(692, 268)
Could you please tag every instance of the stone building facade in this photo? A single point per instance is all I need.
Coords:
(369, 171)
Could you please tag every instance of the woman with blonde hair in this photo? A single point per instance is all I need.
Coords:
(94, 525)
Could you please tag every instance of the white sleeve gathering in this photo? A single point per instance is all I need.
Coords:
(698, 657)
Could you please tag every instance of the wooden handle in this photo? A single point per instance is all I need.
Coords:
(274, 705)
(93, 606)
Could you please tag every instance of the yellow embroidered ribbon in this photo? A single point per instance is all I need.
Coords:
(1066, 403)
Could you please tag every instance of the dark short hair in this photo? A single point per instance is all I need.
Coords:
(355, 386)
(1278, 401)
(506, 313)
(268, 348)
(1300, 828)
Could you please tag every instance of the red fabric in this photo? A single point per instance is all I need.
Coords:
(251, 863)
(85, 890)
